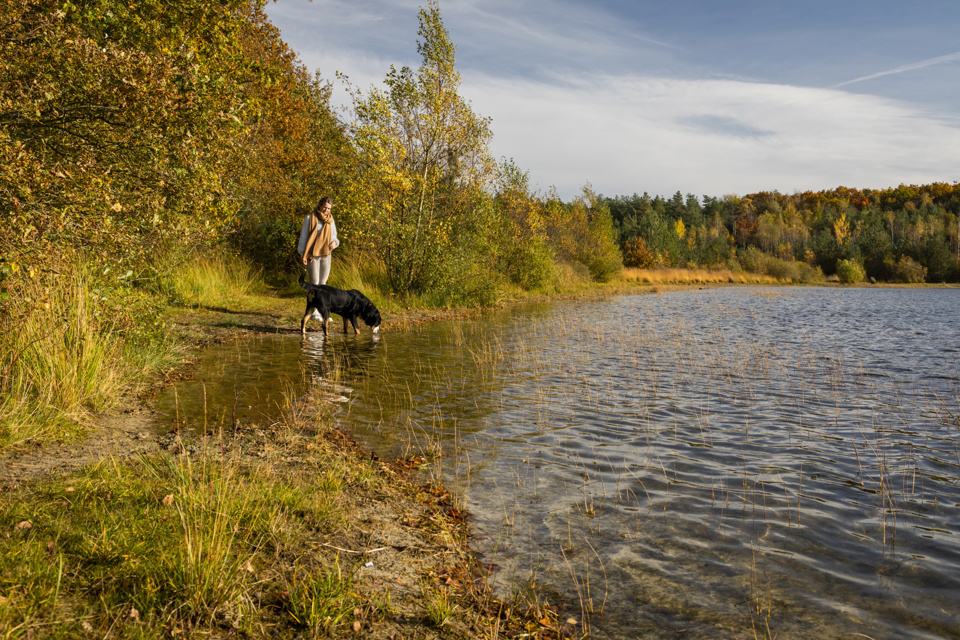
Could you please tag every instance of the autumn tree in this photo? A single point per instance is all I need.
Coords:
(116, 122)
(421, 201)
(524, 255)
(293, 149)
(582, 232)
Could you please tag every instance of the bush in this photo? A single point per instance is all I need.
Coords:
(528, 264)
(781, 269)
(906, 270)
(606, 266)
(850, 271)
(754, 260)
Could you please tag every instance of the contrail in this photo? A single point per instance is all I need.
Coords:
(907, 67)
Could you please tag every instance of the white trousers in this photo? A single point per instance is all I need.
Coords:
(318, 269)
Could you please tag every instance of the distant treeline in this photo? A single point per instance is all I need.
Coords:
(902, 234)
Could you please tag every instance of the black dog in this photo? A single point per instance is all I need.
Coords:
(348, 304)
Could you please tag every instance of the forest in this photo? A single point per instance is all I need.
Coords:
(902, 234)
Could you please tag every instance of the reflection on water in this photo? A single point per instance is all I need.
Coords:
(257, 380)
(721, 463)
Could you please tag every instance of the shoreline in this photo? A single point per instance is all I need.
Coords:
(405, 542)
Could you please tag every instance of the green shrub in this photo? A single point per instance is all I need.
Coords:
(606, 266)
(781, 269)
(754, 260)
(529, 264)
(850, 271)
(906, 270)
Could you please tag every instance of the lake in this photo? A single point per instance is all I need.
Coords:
(712, 463)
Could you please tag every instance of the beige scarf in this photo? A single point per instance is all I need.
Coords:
(318, 243)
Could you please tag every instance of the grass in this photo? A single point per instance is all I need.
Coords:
(239, 537)
(440, 606)
(169, 538)
(78, 346)
(693, 276)
(321, 601)
(212, 281)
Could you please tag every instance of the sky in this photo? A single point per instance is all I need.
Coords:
(704, 97)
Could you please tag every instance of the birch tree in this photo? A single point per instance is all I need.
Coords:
(421, 202)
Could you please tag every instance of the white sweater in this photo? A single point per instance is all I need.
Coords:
(305, 234)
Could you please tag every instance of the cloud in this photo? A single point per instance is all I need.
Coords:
(951, 57)
(628, 134)
(725, 125)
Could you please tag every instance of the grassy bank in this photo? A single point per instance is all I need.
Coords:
(286, 531)
(280, 530)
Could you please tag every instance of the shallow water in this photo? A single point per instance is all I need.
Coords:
(715, 463)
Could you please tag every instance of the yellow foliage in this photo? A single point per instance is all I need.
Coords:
(841, 228)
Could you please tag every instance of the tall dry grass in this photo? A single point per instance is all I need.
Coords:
(693, 276)
(70, 347)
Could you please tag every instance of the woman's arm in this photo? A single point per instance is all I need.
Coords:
(334, 241)
(304, 235)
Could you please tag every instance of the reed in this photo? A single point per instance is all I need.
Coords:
(693, 276)
(212, 281)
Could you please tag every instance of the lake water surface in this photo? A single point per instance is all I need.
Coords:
(717, 463)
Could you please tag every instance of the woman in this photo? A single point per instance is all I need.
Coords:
(318, 239)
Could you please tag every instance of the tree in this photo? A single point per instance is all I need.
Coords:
(116, 122)
(524, 255)
(420, 201)
(293, 151)
(582, 232)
